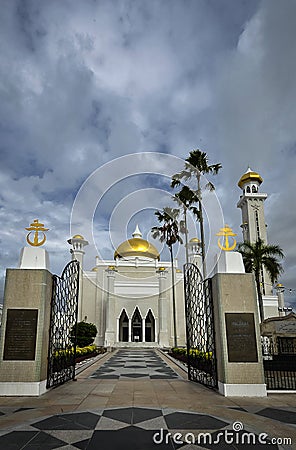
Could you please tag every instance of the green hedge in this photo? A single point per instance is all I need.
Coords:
(80, 351)
(194, 352)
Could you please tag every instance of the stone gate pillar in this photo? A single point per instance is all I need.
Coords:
(26, 318)
(238, 344)
(24, 333)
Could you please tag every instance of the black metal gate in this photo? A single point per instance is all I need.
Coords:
(63, 320)
(201, 356)
(279, 361)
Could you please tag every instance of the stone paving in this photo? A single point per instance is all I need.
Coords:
(139, 399)
(134, 364)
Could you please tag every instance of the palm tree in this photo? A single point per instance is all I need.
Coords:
(258, 256)
(168, 232)
(186, 198)
(196, 165)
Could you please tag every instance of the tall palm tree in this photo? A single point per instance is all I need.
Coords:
(168, 232)
(186, 198)
(195, 166)
(258, 256)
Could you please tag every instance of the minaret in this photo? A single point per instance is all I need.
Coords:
(253, 220)
(194, 252)
(78, 242)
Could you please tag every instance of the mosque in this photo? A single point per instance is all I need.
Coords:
(129, 298)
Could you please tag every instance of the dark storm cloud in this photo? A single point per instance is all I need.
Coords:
(84, 82)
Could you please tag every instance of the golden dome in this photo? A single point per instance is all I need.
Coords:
(136, 246)
(78, 236)
(250, 175)
(195, 239)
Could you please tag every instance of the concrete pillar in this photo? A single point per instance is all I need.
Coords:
(129, 329)
(162, 309)
(143, 330)
(281, 301)
(237, 335)
(110, 309)
(24, 333)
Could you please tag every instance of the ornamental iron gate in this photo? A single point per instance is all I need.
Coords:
(63, 321)
(201, 356)
(279, 362)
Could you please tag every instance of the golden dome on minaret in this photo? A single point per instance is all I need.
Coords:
(78, 236)
(137, 246)
(249, 176)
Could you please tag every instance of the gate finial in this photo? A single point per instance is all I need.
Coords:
(226, 232)
(37, 227)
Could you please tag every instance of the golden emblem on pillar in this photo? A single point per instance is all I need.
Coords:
(227, 233)
(37, 228)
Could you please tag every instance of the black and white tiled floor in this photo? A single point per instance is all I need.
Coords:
(134, 364)
(118, 428)
(130, 428)
(122, 429)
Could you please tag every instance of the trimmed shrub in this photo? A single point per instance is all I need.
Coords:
(86, 333)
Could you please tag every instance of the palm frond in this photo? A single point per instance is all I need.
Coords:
(258, 254)
(210, 186)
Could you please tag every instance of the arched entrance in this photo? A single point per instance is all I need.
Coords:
(137, 326)
(123, 327)
(149, 327)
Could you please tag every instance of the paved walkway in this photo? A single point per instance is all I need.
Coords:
(139, 399)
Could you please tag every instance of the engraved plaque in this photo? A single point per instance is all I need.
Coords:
(241, 337)
(20, 334)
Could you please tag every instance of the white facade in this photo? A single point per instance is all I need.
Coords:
(129, 299)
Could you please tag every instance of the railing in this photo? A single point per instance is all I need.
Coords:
(279, 361)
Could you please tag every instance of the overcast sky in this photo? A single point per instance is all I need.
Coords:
(85, 82)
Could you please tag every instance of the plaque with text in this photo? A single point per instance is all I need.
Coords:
(241, 337)
(20, 334)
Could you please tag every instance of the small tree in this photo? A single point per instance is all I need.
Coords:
(257, 256)
(85, 334)
(168, 232)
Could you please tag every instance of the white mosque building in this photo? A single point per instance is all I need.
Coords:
(129, 298)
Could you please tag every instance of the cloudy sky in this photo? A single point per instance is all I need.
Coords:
(85, 82)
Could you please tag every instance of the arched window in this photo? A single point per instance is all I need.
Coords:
(254, 189)
(248, 190)
(123, 327)
(137, 326)
(149, 327)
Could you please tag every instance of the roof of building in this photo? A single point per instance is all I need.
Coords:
(78, 236)
(250, 175)
(194, 239)
(136, 246)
